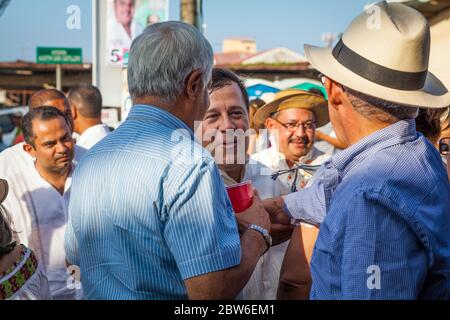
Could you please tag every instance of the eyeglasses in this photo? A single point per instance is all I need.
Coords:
(444, 146)
(293, 127)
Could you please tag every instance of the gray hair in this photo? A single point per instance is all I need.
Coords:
(163, 56)
(380, 110)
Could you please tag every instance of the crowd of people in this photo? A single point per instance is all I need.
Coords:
(351, 195)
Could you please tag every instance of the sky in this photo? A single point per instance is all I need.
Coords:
(27, 24)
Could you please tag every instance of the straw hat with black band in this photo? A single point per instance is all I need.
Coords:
(384, 53)
(295, 99)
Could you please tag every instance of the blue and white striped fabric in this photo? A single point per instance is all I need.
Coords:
(149, 210)
(386, 233)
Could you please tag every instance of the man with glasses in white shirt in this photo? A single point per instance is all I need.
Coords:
(285, 167)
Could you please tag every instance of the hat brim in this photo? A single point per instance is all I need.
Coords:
(433, 95)
(320, 111)
(4, 188)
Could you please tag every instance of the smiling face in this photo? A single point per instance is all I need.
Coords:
(124, 10)
(293, 144)
(53, 145)
(220, 128)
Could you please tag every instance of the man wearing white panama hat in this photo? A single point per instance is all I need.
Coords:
(382, 204)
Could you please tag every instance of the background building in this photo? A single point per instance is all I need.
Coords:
(241, 45)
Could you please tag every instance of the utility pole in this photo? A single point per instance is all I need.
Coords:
(192, 13)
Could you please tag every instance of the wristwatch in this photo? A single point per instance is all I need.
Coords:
(265, 234)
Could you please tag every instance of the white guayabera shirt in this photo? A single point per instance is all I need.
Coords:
(263, 284)
(92, 136)
(39, 215)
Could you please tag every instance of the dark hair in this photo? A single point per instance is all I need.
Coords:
(428, 122)
(257, 103)
(43, 114)
(87, 100)
(254, 106)
(317, 92)
(445, 122)
(42, 98)
(7, 243)
(224, 77)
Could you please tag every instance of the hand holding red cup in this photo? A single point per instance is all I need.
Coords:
(241, 196)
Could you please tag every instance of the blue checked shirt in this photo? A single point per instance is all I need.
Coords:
(386, 231)
(148, 211)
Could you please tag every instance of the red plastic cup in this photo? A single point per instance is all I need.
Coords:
(241, 196)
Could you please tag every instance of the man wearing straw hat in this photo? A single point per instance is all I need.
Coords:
(291, 119)
(382, 204)
(285, 167)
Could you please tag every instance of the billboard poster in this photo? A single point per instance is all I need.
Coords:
(126, 20)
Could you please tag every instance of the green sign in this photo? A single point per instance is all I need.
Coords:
(59, 55)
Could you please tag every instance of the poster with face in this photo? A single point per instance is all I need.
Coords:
(127, 19)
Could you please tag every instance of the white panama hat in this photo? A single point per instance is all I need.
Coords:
(384, 53)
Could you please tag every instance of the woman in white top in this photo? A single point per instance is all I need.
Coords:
(21, 276)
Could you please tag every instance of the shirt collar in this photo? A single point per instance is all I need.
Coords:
(98, 127)
(279, 159)
(399, 132)
(154, 114)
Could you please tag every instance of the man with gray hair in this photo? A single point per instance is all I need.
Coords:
(151, 199)
(386, 198)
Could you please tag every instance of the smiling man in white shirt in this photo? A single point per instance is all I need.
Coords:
(86, 104)
(122, 27)
(284, 168)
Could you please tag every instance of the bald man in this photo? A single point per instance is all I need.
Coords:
(51, 98)
(86, 103)
(38, 210)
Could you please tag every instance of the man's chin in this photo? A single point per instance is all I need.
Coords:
(300, 152)
(126, 21)
(62, 165)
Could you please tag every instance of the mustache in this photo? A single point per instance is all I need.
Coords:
(303, 140)
(63, 155)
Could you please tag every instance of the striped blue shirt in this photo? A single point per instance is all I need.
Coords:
(386, 233)
(149, 210)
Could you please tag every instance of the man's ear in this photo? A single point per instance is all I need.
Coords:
(28, 148)
(194, 83)
(335, 92)
(269, 123)
(74, 111)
